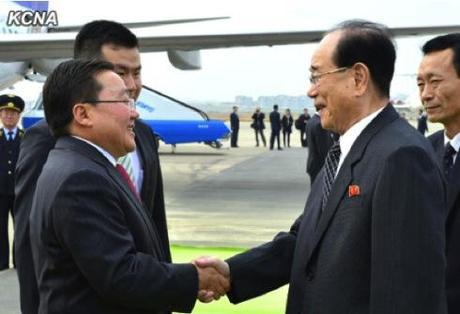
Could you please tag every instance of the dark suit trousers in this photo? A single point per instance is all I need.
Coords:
(6, 206)
(275, 134)
(262, 136)
(303, 138)
(234, 139)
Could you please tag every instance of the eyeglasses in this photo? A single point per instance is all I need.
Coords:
(130, 103)
(314, 77)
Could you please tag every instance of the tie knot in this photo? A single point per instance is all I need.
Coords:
(449, 151)
(10, 135)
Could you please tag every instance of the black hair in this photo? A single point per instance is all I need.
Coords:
(371, 44)
(449, 41)
(95, 34)
(70, 83)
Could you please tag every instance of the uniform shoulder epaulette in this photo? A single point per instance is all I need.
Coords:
(21, 133)
(1, 132)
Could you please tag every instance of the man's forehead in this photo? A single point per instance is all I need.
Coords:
(121, 56)
(438, 61)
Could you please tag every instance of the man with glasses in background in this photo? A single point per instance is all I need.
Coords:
(371, 238)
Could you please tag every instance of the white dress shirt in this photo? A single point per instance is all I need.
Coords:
(349, 137)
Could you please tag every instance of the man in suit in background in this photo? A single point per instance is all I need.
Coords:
(301, 125)
(94, 246)
(116, 44)
(422, 124)
(371, 238)
(319, 142)
(258, 125)
(11, 107)
(235, 126)
(439, 84)
(275, 123)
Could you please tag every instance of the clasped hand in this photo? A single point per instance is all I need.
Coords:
(213, 276)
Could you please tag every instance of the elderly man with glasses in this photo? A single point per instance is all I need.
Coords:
(371, 238)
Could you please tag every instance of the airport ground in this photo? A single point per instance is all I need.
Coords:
(232, 197)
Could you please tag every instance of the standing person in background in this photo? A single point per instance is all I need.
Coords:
(301, 124)
(235, 126)
(11, 107)
(258, 125)
(112, 42)
(287, 121)
(319, 142)
(438, 80)
(422, 124)
(275, 124)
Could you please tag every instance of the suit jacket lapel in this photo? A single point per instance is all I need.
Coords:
(139, 208)
(93, 154)
(453, 188)
(345, 177)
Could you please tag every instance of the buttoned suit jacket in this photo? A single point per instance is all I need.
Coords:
(378, 247)
(9, 152)
(275, 121)
(452, 227)
(35, 146)
(95, 248)
(234, 121)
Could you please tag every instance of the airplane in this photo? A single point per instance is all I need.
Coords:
(29, 52)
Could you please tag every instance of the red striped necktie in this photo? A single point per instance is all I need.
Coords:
(125, 176)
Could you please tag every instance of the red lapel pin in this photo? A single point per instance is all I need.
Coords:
(353, 190)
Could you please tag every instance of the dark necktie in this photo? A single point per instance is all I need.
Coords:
(330, 168)
(127, 179)
(449, 153)
(10, 135)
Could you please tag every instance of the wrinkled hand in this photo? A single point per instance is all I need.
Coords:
(214, 278)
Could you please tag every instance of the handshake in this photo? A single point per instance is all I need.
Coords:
(213, 277)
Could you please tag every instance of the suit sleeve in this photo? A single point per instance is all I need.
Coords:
(264, 268)
(93, 228)
(408, 237)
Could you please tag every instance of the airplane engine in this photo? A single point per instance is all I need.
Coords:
(46, 66)
(185, 60)
(12, 72)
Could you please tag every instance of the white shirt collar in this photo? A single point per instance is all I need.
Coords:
(14, 130)
(455, 142)
(106, 154)
(349, 137)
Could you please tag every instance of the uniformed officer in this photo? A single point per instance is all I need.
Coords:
(11, 107)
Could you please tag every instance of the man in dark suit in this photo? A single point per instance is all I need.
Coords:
(371, 238)
(258, 125)
(94, 246)
(439, 84)
(422, 124)
(112, 42)
(11, 107)
(301, 124)
(235, 126)
(320, 140)
(275, 124)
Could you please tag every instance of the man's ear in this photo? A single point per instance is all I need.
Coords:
(82, 114)
(361, 76)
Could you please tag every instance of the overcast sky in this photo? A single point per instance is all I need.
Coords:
(261, 70)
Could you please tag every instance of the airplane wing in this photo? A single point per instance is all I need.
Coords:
(22, 47)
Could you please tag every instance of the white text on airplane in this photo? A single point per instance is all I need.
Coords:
(32, 18)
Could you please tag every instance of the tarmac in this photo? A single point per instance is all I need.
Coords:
(231, 197)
